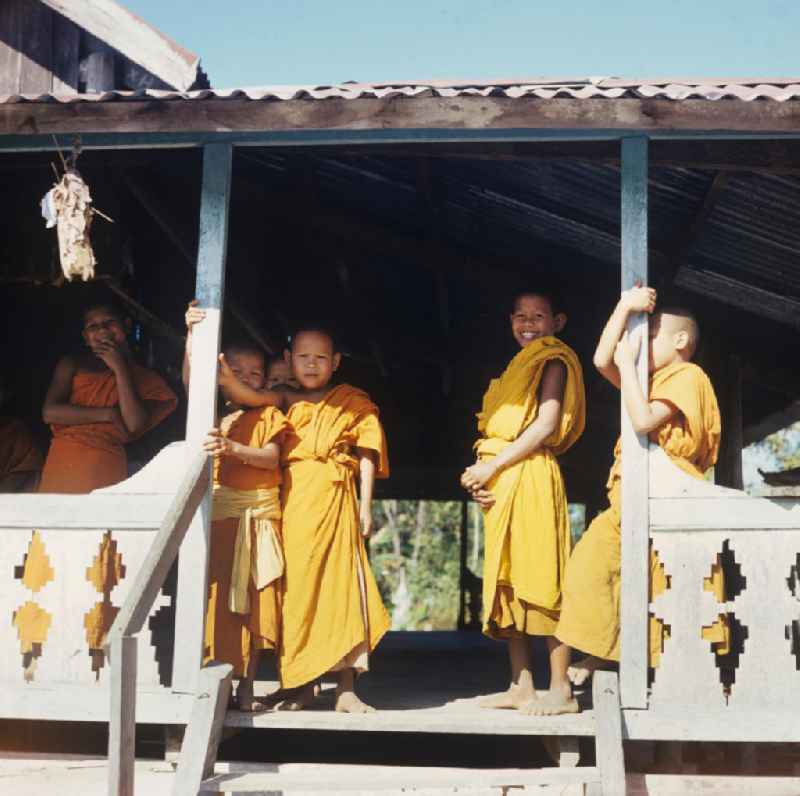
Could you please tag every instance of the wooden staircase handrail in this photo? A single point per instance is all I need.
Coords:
(121, 639)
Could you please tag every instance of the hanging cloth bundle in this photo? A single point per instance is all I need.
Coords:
(68, 207)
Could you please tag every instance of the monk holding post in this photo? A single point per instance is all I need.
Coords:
(534, 412)
(245, 556)
(680, 414)
(96, 403)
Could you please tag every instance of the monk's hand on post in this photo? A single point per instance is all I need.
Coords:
(193, 315)
(640, 299)
(215, 444)
(365, 520)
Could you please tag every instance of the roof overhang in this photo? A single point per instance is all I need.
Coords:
(161, 118)
(133, 37)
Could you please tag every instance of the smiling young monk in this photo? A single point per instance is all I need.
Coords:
(332, 614)
(534, 412)
(97, 402)
(680, 414)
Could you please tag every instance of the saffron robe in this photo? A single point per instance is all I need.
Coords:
(92, 455)
(18, 452)
(332, 612)
(527, 530)
(231, 637)
(590, 612)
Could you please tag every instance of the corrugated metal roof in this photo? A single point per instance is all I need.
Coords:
(588, 88)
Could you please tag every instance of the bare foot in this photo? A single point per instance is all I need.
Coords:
(507, 700)
(348, 702)
(245, 701)
(581, 671)
(555, 702)
(297, 699)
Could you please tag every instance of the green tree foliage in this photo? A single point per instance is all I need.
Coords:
(415, 557)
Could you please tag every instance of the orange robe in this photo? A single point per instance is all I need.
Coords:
(332, 611)
(232, 637)
(18, 452)
(527, 534)
(92, 455)
(591, 596)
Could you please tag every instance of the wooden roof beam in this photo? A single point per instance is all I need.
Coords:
(691, 236)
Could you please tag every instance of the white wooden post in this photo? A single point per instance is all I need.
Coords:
(122, 732)
(635, 470)
(193, 557)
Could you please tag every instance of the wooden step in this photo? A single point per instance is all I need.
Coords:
(459, 716)
(307, 778)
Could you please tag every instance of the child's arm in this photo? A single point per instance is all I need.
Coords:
(266, 458)
(242, 394)
(645, 415)
(551, 396)
(637, 299)
(58, 409)
(366, 467)
(193, 316)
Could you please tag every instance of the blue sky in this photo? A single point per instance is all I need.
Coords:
(256, 42)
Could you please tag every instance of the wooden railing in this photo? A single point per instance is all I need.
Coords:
(121, 640)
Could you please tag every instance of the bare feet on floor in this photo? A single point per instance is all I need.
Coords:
(298, 698)
(507, 700)
(348, 702)
(581, 671)
(245, 699)
(554, 702)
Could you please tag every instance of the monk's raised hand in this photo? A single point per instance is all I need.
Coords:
(193, 314)
(365, 520)
(225, 374)
(110, 353)
(640, 299)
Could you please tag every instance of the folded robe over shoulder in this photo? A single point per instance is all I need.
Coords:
(527, 529)
(92, 455)
(332, 613)
(590, 614)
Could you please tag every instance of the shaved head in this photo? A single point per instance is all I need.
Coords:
(678, 319)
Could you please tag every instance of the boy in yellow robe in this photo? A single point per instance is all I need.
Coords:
(332, 614)
(245, 557)
(681, 415)
(534, 412)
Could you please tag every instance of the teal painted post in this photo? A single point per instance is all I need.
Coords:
(209, 290)
(635, 475)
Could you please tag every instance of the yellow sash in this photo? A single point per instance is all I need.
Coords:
(263, 561)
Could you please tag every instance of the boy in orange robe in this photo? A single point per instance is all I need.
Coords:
(332, 614)
(532, 413)
(680, 414)
(96, 403)
(245, 556)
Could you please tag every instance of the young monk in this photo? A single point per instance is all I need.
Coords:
(20, 459)
(245, 556)
(531, 414)
(97, 401)
(681, 415)
(332, 614)
(279, 375)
